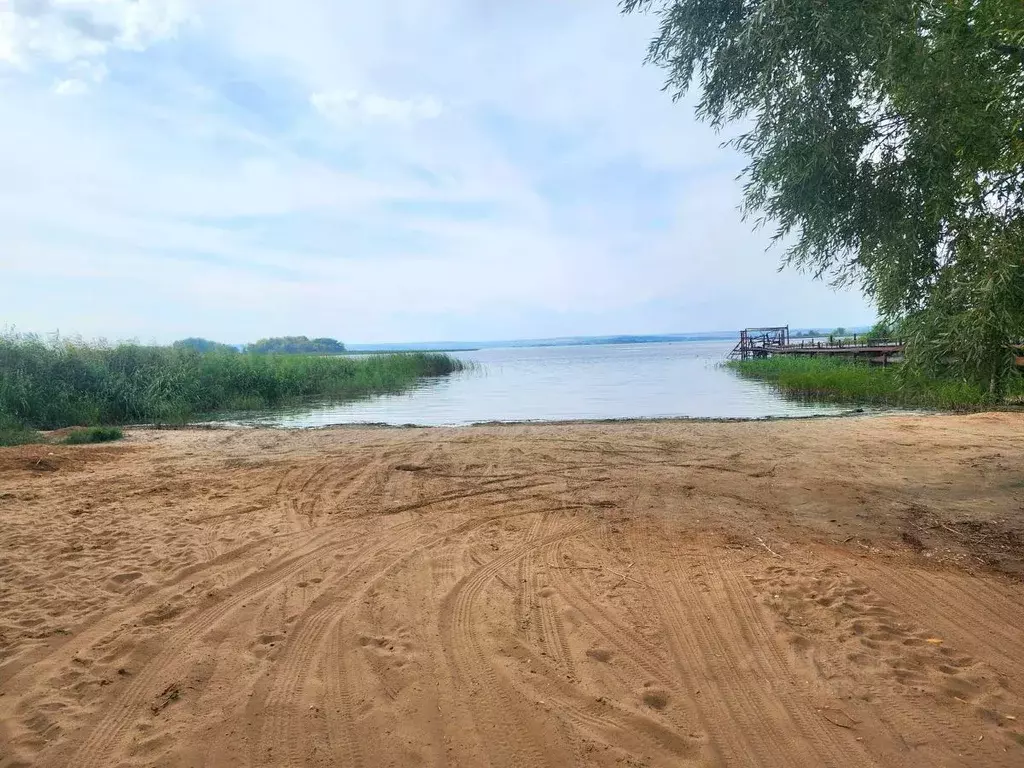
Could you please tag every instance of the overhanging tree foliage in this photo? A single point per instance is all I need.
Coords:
(886, 140)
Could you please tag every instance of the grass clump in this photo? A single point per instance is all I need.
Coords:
(844, 381)
(49, 385)
(93, 435)
(14, 432)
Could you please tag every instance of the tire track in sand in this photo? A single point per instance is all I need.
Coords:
(504, 740)
(723, 650)
(552, 631)
(603, 718)
(280, 732)
(277, 711)
(522, 601)
(611, 722)
(867, 642)
(643, 656)
(743, 610)
(96, 631)
(877, 612)
(965, 607)
(95, 750)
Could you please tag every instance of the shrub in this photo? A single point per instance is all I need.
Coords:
(93, 435)
(13, 432)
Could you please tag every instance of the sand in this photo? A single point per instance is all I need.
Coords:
(838, 592)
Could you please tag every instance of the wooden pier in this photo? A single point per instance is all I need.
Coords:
(758, 343)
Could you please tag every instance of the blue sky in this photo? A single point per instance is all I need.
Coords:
(409, 170)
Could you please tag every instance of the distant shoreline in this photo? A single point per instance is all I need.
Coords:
(560, 341)
(400, 351)
(574, 341)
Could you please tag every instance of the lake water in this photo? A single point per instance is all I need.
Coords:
(655, 380)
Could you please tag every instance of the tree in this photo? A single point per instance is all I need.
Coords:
(296, 345)
(886, 141)
(204, 345)
(881, 331)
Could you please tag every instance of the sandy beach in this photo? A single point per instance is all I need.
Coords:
(840, 592)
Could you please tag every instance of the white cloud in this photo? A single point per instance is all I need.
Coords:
(466, 169)
(84, 75)
(347, 107)
(37, 33)
(70, 87)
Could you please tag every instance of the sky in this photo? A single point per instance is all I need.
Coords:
(408, 170)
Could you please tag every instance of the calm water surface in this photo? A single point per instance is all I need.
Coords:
(555, 383)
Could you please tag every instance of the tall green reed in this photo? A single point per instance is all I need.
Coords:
(52, 384)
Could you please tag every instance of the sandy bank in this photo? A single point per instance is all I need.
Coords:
(825, 592)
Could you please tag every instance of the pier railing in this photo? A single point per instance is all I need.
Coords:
(846, 342)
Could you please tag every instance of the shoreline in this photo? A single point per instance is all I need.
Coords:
(638, 420)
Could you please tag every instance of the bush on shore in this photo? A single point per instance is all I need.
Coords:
(49, 385)
(93, 435)
(14, 432)
(835, 380)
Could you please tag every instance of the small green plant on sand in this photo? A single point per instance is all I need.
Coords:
(93, 435)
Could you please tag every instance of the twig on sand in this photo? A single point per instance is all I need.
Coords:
(962, 535)
(624, 576)
(761, 542)
(849, 724)
(596, 568)
(507, 585)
